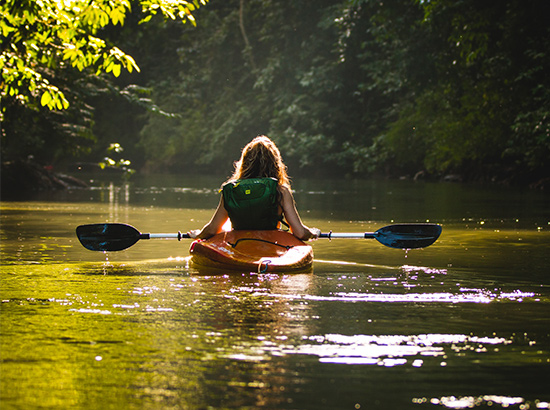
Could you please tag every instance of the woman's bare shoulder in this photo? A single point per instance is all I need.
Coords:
(285, 189)
(285, 192)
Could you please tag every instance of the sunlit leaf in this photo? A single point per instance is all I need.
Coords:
(146, 19)
(116, 69)
(115, 146)
(46, 98)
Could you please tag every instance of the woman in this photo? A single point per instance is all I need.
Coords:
(259, 171)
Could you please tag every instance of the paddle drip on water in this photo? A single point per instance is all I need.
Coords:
(106, 264)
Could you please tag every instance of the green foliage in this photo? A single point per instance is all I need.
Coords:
(51, 34)
(344, 87)
(360, 87)
(477, 114)
(114, 150)
(57, 56)
(227, 90)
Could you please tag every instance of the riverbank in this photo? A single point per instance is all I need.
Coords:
(20, 179)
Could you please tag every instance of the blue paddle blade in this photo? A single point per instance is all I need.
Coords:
(108, 236)
(408, 236)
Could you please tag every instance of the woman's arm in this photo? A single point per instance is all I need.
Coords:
(214, 226)
(293, 218)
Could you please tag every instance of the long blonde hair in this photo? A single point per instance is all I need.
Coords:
(261, 158)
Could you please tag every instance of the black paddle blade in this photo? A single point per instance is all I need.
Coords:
(408, 236)
(107, 237)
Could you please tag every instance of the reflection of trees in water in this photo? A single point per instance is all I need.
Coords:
(118, 198)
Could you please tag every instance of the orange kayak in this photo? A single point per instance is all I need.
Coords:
(252, 251)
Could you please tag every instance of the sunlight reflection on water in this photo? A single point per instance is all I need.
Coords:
(380, 350)
(452, 402)
(469, 296)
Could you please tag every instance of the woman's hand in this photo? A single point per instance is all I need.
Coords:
(194, 233)
(311, 233)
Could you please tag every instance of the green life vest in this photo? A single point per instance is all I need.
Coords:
(252, 203)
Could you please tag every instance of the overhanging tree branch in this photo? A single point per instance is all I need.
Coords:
(51, 35)
(248, 47)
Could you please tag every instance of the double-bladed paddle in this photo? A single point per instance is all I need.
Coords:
(116, 237)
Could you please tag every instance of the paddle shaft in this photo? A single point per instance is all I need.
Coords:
(177, 236)
(330, 235)
(348, 235)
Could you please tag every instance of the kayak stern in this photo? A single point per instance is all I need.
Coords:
(253, 251)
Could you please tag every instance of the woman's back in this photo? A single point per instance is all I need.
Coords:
(253, 203)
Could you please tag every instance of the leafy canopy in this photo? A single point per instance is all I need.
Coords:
(42, 36)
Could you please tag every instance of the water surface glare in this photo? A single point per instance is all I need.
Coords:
(464, 323)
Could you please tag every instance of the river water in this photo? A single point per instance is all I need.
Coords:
(464, 323)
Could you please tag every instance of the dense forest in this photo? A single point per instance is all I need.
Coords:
(397, 88)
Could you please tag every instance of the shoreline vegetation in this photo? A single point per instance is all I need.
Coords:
(433, 90)
(22, 179)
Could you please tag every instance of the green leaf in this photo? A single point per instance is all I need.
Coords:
(131, 64)
(146, 19)
(116, 69)
(46, 98)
